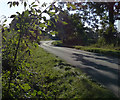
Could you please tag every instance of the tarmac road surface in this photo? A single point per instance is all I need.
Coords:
(103, 69)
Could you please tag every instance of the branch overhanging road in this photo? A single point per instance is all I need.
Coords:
(105, 70)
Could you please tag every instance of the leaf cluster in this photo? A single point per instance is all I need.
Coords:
(23, 33)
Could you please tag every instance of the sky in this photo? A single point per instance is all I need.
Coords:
(7, 11)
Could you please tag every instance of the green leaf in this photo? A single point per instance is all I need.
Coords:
(4, 25)
(34, 93)
(68, 5)
(36, 44)
(39, 92)
(31, 31)
(12, 16)
(25, 4)
(44, 4)
(18, 13)
(42, 25)
(5, 20)
(52, 13)
(26, 13)
(40, 32)
(18, 30)
(44, 18)
(65, 23)
(49, 23)
(53, 32)
(9, 2)
(12, 84)
(25, 87)
(38, 38)
(39, 11)
(33, 11)
(73, 7)
(10, 5)
(34, 5)
(15, 3)
(56, 20)
(4, 38)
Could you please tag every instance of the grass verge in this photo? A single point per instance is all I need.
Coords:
(49, 77)
(108, 51)
(57, 43)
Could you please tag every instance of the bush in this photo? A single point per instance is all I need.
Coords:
(57, 43)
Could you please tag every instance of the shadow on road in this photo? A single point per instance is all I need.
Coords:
(79, 57)
(108, 59)
(102, 73)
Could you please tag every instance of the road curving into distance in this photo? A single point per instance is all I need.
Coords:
(103, 69)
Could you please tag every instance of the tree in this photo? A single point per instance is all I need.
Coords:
(63, 26)
(96, 14)
(17, 42)
(107, 12)
(71, 29)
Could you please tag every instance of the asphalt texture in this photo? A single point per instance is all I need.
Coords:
(105, 70)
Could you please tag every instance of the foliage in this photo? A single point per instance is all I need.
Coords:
(74, 32)
(23, 33)
(96, 14)
(108, 12)
(57, 43)
(63, 26)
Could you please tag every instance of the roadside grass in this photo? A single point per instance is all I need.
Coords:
(106, 50)
(50, 77)
(57, 43)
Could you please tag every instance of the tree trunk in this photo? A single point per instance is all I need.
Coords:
(110, 35)
(111, 13)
